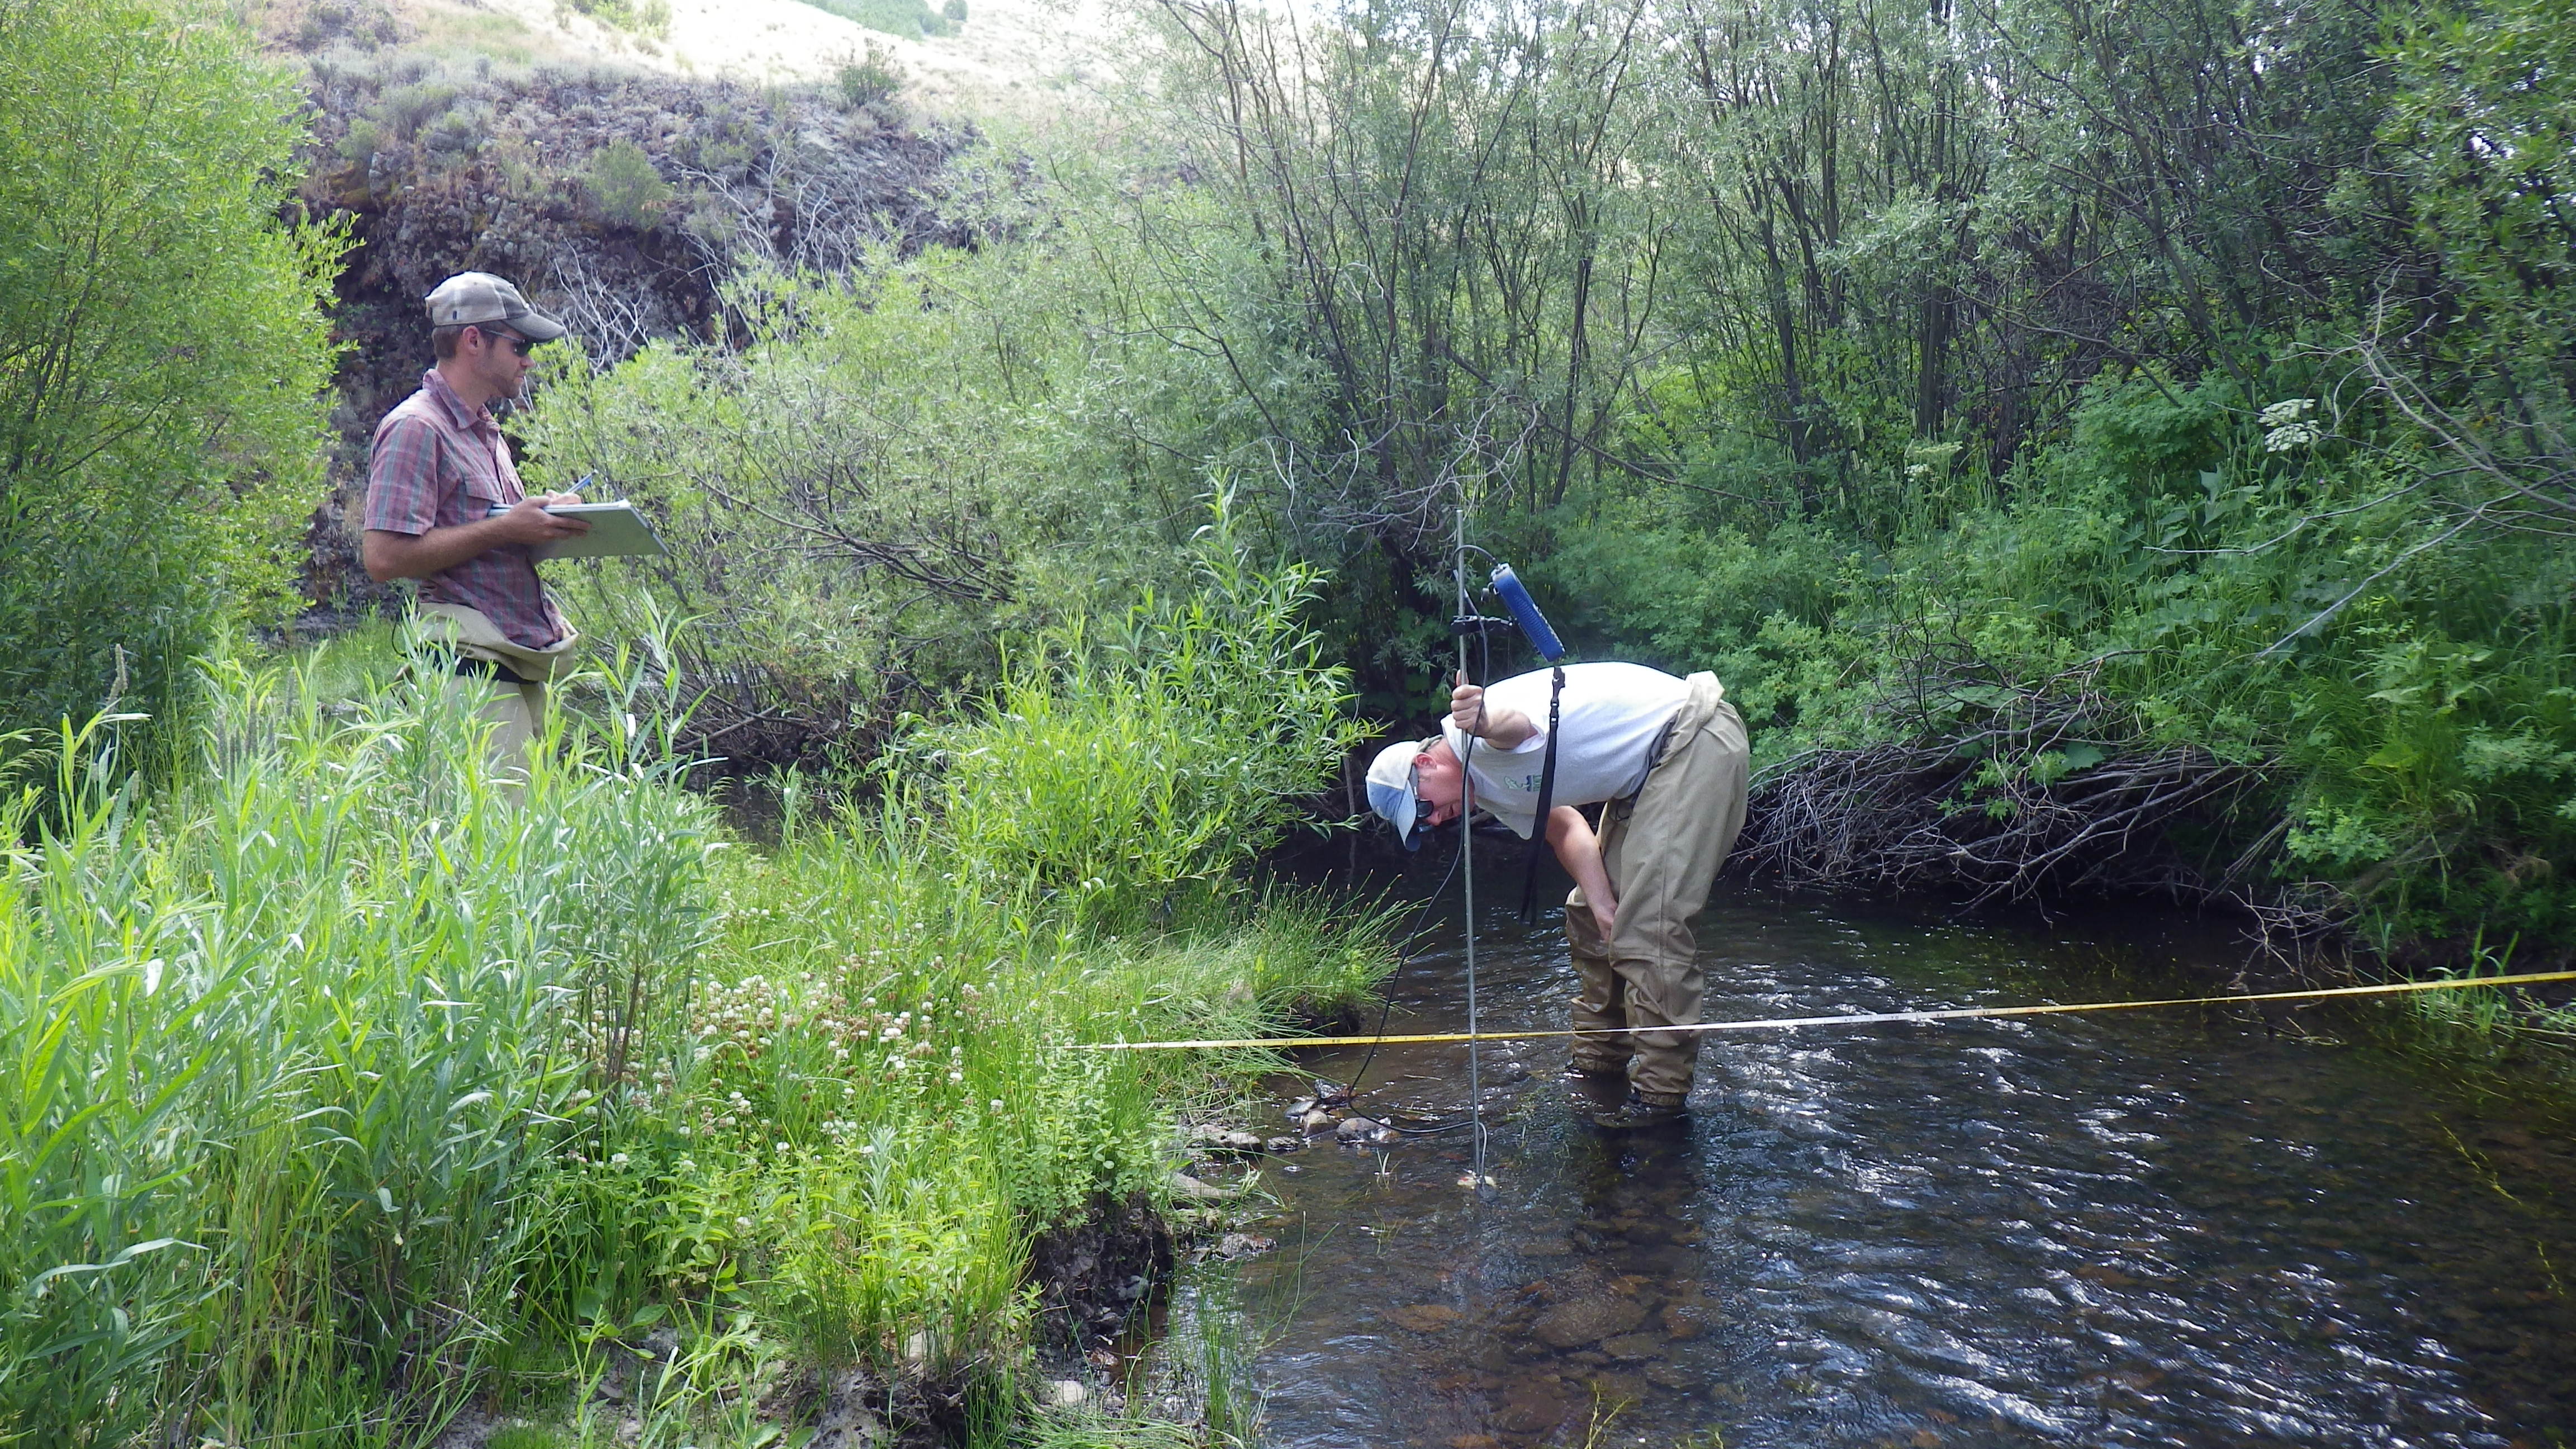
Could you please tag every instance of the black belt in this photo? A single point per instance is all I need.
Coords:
(490, 669)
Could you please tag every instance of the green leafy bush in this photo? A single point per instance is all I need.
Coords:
(870, 79)
(893, 475)
(625, 187)
(1109, 768)
(162, 355)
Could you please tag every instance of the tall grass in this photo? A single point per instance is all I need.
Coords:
(348, 1079)
(286, 1045)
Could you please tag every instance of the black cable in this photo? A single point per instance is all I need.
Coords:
(1405, 957)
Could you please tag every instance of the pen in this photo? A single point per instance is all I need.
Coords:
(497, 509)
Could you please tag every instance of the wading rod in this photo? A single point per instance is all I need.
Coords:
(1467, 864)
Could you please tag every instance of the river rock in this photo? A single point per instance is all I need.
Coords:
(1298, 1109)
(1067, 1393)
(1191, 1187)
(1225, 1139)
(1361, 1129)
(1425, 1317)
(1587, 1320)
(1329, 1094)
(1531, 1407)
(1616, 1390)
(1683, 1318)
(1634, 1347)
(1235, 1247)
(1316, 1122)
(1277, 1145)
(1672, 1376)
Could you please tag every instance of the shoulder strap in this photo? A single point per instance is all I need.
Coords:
(1546, 801)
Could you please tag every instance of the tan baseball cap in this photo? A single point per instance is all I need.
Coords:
(475, 297)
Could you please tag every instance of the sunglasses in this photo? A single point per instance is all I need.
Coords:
(520, 345)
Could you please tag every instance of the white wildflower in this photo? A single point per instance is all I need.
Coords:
(2286, 426)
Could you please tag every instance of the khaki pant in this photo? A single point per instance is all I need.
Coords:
(1662, 850)
(517, 709)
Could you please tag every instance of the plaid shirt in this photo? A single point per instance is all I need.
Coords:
(437, 464)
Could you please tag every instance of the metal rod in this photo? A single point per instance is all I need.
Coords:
(1467, 869)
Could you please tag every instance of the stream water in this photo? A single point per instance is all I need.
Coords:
(2161, 1227)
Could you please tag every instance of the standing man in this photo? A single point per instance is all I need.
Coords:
(444, 506)
(1665, 759)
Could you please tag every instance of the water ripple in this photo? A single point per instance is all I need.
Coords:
(2142, 1229)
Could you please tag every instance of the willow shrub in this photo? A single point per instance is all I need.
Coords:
(2219, 584)
(163, 353)
(1112, 768)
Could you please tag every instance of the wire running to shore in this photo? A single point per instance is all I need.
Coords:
(1865, 1018)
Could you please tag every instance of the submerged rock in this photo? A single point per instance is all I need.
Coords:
(1684, 1317)
(1358, 1129)
(1425, 1317)
(1672, 1376)
(1587, 1320)
(1633, 1347)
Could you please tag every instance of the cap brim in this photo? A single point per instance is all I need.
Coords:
(536, 326)
(1400, 809)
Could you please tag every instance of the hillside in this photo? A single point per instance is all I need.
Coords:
(1031, 60)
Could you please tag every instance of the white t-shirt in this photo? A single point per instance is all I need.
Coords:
(1607, 722)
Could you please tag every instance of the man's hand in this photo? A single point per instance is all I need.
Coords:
(1504, 731)
(1467, 705)
(1578, 849)
(391, 556)
(528, 522)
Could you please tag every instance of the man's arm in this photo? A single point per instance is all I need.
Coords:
(390, 556)
(1507, 729)
(1579, 851)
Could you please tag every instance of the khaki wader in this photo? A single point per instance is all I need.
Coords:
(1662, 848)
(516, 708)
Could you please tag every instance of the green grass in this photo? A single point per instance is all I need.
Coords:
(348, 1083)
(910, 19)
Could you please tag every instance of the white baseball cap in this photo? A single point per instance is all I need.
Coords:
(1393, 792)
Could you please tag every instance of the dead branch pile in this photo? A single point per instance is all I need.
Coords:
(2000, 790)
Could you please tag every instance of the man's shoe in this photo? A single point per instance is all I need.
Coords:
(1596, 1090)
(1637, 1114)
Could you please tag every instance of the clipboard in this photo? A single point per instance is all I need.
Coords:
(616, 530)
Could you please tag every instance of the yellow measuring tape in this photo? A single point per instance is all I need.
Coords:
(1873, 1018)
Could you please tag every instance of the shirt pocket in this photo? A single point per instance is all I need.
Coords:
(484, 489)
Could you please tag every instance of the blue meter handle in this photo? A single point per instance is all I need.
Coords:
(1525, 610)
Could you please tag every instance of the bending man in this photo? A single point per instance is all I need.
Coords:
(1665, 760)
